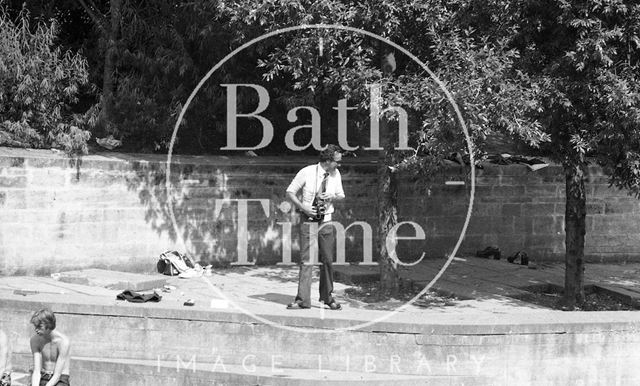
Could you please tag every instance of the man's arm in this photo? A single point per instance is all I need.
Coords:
(331, 197)
(37, 361)
(339, 191)
(338, 195)
(63, 357)
(307, 209)
(292, 191)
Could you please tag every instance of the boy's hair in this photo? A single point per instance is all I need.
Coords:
(329, 153)
(44, 316)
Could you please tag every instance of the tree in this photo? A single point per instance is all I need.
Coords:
(585, 56)
(38, 85)
(109, 27)
(477, 66)
(153, 56)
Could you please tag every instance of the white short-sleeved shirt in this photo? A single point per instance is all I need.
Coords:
(309, 179)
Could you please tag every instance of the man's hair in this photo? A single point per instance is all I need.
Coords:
(329, 153)
(44, 316)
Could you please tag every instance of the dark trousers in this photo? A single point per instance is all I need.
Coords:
(63, 381)
(319, 242)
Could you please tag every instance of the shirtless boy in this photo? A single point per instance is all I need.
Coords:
(50, 351)
(5, 360)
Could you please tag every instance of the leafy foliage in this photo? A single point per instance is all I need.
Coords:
(590, 76)
(585, 55)
(38, 84)
(473, 59)
(164, 49)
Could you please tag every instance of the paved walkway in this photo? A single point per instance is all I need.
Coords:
(479, 279)
(485, 313)
(482, 285)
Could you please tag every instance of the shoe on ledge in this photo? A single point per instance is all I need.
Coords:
(524, 259)
(489, 252)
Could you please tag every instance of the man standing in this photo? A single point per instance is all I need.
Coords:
(321, 186)
(50, 352)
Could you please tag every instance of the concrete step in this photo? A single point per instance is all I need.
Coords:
(108, 372)
(444, 347)
(188, 371)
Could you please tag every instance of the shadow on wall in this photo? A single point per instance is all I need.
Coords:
(231, 210)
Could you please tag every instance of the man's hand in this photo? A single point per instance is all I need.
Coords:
(326, 196)
(309, 210)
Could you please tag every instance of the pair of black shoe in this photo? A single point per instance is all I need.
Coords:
(297, 305)
(524, 259)
(489, 252)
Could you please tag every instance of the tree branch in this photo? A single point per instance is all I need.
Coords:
(93, 16)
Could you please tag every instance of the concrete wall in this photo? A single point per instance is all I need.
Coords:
(518, 209)
(551, 348)
(113, 211)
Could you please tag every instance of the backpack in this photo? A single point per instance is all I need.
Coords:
(172, 263)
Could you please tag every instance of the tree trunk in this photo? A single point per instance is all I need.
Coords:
(387, 197)
(575, 229)
(108, 82)
(387, 211)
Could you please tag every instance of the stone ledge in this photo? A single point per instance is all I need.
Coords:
(547, 322)
(113, 372)
(113, 279)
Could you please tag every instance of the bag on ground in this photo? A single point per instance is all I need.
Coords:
(173, 263)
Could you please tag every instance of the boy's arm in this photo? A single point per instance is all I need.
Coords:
(37, 361)
(63, 357)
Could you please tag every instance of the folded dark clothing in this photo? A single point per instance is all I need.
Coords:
(45, 377)
(137, 297)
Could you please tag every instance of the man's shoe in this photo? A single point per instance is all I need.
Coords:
(524, 259)
(489, 252)
(334, 305)
(297, 305)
